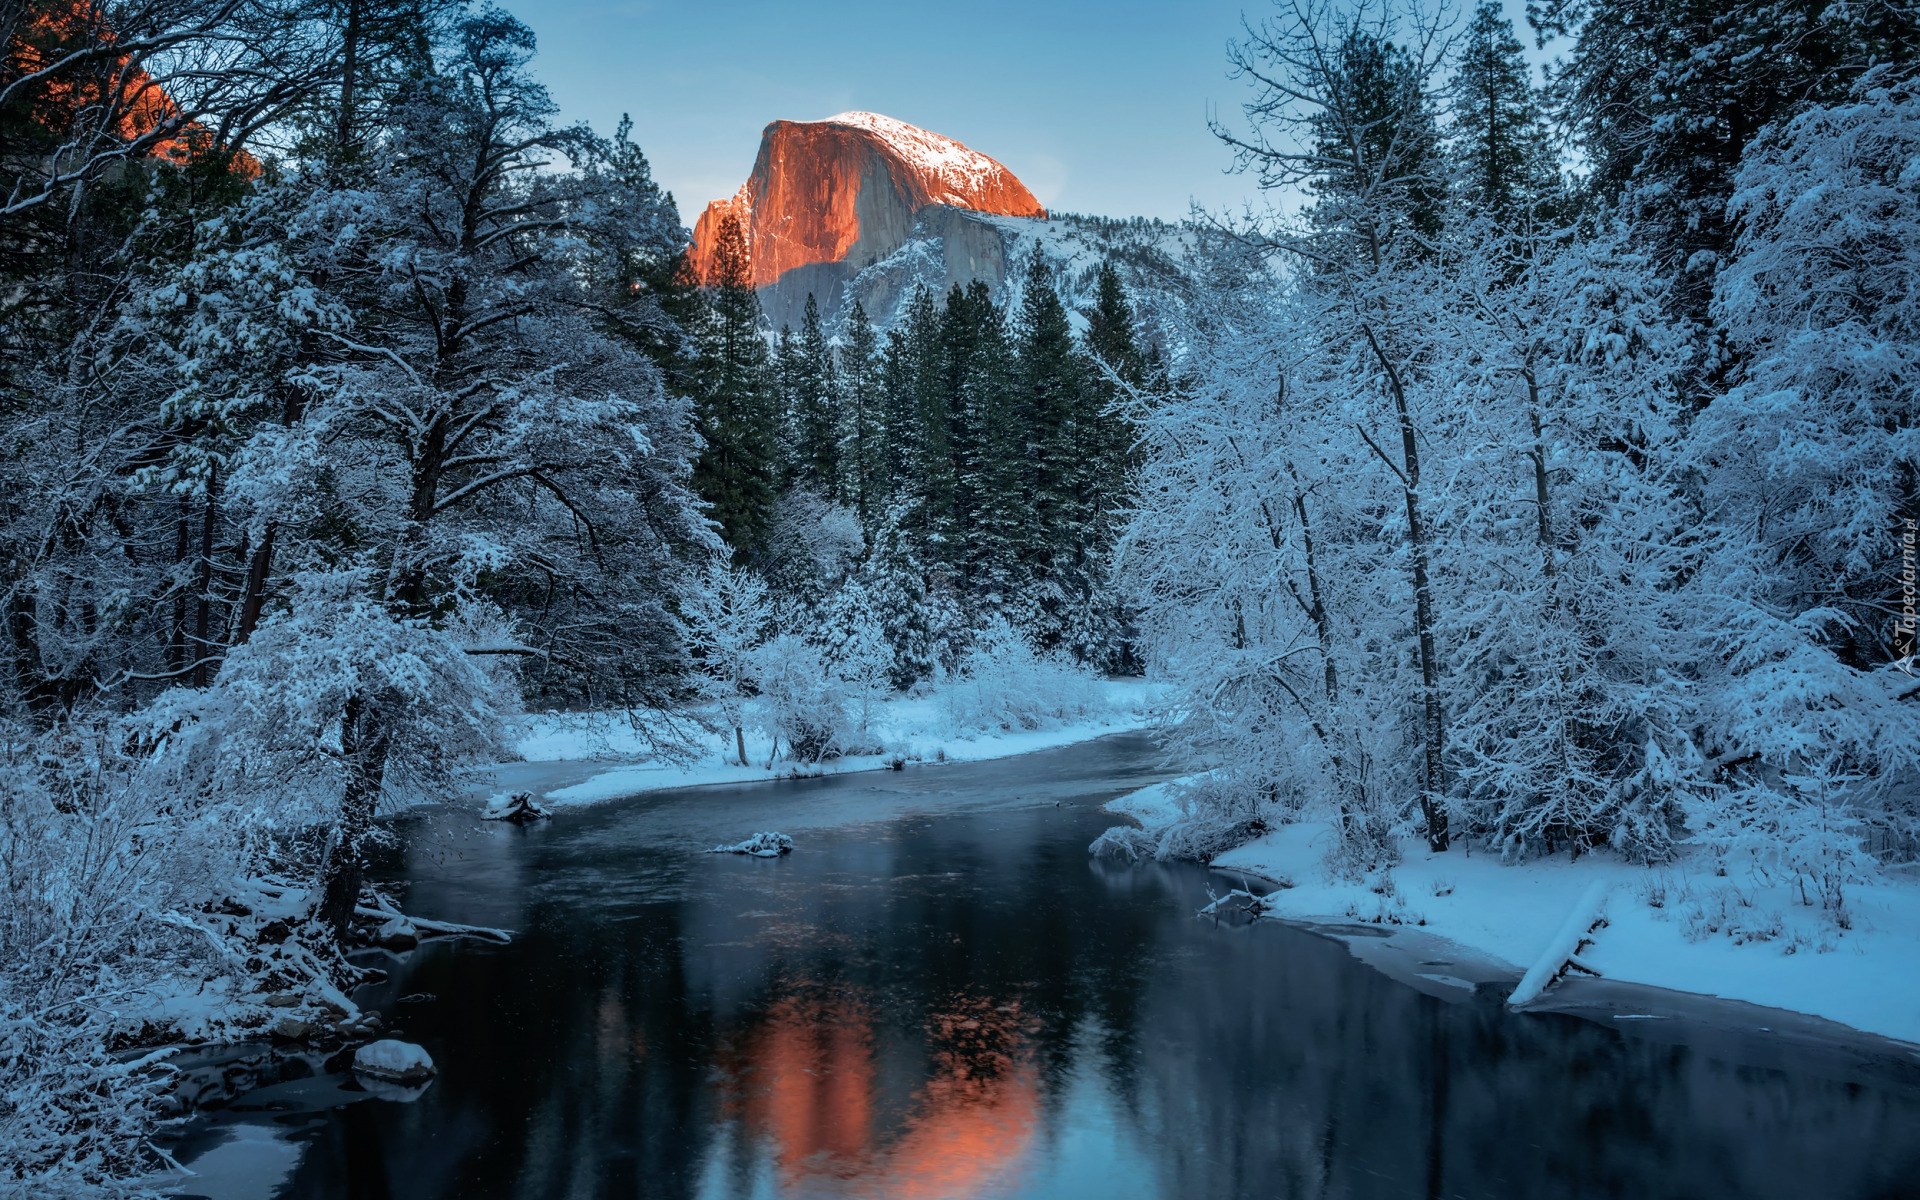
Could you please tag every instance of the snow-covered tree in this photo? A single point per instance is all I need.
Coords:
(1807, 467)
(1572, 545)
(801, 700)
(859, 654)
(727, 617)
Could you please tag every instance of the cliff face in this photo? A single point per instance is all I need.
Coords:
(828, 199)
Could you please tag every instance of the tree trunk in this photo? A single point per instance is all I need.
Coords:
(1433, 731)
(254, 599)
(176, 661)
(349, 69)
(1347, 778)
(740, 744)
(203, 609)
(364, 746)
(1539, 455)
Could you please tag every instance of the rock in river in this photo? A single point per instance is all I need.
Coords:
(393, 1061)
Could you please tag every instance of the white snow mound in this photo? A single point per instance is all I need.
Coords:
(760, 845)
(389, 1059)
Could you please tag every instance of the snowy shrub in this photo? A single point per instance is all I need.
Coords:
(1203, 836)
(1791, 829)
(813, 544)
(98, 880)
(1003, 683)
(802, 702)
(726, 616)
(1127, 842)
(1732, 913)
(857, 651)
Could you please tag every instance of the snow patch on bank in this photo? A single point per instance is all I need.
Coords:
(1678, 926)
(913, 729)
(1154, 807)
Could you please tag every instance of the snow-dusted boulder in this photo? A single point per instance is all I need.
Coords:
(518, 807)
(394, 1061)
(760, 845)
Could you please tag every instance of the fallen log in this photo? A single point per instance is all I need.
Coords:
(1563, 952)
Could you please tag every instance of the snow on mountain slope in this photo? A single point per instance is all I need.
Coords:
(951, 173)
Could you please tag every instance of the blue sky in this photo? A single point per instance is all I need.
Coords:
(1097, 107)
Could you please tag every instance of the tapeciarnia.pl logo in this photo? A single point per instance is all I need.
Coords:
(1906, 626)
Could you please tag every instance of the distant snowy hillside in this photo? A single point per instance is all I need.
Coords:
(949, 246)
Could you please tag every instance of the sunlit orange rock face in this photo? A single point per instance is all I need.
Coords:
(139, 105)
(847, 190)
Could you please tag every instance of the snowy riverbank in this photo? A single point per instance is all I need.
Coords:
(1678, 927)
(914, 730)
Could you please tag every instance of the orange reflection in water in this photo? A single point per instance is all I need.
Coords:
(805, 1081)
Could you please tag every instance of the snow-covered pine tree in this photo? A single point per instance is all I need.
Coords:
(896, 580)
(858, 652)
(814, 391)
(1807, 466)
(1663, 97)
(862, 441)
(1050, 378)
(736, 401)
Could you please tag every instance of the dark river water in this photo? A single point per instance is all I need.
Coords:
(939, 994)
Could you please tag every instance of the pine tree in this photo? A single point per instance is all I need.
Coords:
(863, 470)
(1663, 96)
(814, 393)
(993, 462)
(897, 584)
(785, 370)
(969, 368)
(1381, 141)
(735, 404)
(1108, 447)
(918, 434)
(1503, 164)
(1051, 379)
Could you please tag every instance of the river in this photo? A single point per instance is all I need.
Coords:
(939, 994)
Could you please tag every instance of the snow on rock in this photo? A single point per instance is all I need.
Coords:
(518, 807)
(397, 933)
(952, 173)
(394, 1061)
(760, 845)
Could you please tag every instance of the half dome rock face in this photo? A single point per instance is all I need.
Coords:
(828, 199)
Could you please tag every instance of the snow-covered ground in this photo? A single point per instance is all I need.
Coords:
(915, 730)
(1679, 927)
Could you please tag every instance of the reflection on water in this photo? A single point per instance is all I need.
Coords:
(801, 1090)
(965, 1005)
